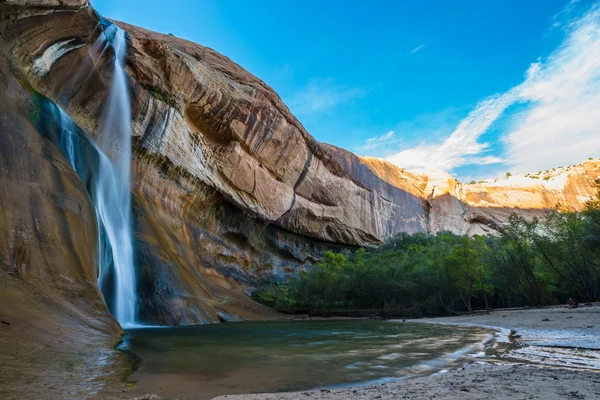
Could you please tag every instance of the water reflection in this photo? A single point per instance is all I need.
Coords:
(204, 361)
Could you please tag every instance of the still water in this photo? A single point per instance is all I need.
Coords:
(200, 362)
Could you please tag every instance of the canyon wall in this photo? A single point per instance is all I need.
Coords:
(482, 208)
(230, 190)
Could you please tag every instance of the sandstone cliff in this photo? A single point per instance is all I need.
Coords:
(230, 190)
(482, 208)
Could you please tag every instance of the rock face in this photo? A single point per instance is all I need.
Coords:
(48, 236)
(51, 308)
(482, 208)
(230, 190)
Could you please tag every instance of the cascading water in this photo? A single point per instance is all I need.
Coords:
(113, 201)
(108, 181)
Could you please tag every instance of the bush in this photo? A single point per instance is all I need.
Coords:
(275, 295)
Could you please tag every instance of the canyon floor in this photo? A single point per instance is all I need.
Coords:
(546, 353)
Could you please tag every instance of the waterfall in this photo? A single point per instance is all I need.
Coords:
(113, 201)
(108, 179)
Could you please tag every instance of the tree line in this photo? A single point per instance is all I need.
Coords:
(529, 263)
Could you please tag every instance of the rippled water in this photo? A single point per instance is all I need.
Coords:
(248, 357)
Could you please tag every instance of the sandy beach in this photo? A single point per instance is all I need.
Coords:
(545, 353)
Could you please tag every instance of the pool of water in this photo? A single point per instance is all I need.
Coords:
(201, 362)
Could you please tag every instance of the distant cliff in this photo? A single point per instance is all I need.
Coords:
(482, 208)
(230, 190)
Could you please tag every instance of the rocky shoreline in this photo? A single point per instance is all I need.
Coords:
(549, 353)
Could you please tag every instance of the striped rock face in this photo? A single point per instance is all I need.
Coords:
(230, 191)
(482, 208)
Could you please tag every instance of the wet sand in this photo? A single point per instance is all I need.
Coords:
(470, 382)
(550, 326)
(547, 353)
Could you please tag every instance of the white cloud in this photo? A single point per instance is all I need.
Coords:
(487, 160)
(381, 138)
(321, 95)
(561, 124)
(419, 47)
(377, 141)
(461, 147)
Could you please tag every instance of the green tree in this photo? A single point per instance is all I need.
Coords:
(562, 245)
(438, 253)
(592, 215)
(518, 265)
(467, 262)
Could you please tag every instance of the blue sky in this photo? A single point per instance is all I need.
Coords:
(476, 88)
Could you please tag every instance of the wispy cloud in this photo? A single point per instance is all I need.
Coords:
(563, 124)
(559, 124)
(419, 47)
(461, 147)
(320, 95)
(378, 141)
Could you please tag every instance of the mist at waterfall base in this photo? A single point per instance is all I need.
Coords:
(105, 168)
